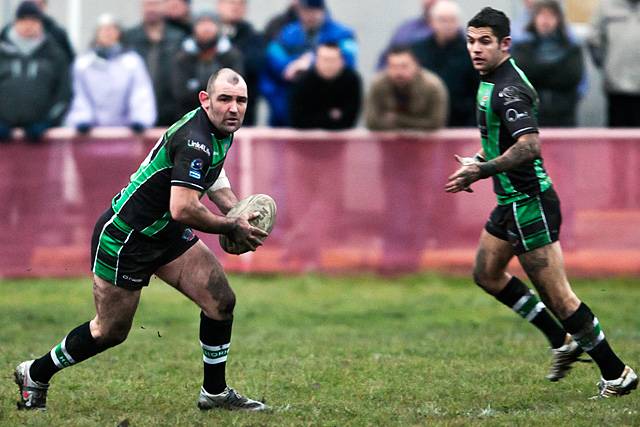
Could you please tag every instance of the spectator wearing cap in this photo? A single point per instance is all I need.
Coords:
(55, 31)
(444, 52)
(157, 43)
(328, 95)
(199, 57)
(34, 76)
(291, 54)
(236, 31)
(178, 16)
(127, 99)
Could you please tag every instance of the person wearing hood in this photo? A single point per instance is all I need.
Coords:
(126, 100)
(200, 56)
(34, 76)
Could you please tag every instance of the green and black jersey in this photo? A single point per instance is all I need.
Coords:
(507, 107)
(189, 154)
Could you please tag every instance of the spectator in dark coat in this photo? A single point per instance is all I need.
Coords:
(35, 83)
(444, 52)
(198, 58)
(239, 33)
(178, 16)
(329, 95)
(55, 31)
(157, 43)
(278, 22)
(291, 54)
(553, 63)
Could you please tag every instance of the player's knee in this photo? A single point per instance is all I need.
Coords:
(112, 334)
(222, 296)
(480, 276)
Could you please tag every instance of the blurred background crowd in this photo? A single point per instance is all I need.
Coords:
(303, 64)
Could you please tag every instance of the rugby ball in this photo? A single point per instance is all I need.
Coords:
(261, 203)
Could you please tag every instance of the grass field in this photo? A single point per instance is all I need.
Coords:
(421, 350)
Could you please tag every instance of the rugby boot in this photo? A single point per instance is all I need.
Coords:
(563, 358)
(33, 394)
(229, 399)
(627, 382)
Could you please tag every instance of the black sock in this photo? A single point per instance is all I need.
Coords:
(517, 296)
(586, 330)
(77, 346)
(215, 338)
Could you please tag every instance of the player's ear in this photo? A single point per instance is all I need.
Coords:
(203, 97)
(505, 44)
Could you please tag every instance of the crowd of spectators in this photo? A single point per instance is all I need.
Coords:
(304, 64)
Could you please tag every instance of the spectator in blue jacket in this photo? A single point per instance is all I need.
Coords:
(291, 54)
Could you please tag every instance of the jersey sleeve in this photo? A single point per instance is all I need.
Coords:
(191, 160)
(516, 107)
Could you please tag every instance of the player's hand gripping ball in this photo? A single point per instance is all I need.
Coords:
(261, 203)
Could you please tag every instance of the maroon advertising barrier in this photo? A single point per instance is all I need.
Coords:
(348, 201)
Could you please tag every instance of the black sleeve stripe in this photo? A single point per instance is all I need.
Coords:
(179, 183)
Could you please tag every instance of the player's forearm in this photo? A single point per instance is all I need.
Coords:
(224, 199)
(525, 150)
(197, 216)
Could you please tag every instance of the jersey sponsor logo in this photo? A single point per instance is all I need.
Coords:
(513, 115)
(196, 164)
(198, 146)
(510, 94)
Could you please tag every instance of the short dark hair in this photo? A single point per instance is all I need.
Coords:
(401, 49)
(232, 77)
(494, 19)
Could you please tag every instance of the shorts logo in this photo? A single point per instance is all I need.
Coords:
(513, 115)
(510, 94)
(198, 146)
(131, 279)
(188, 235)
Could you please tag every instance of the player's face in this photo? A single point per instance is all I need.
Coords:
(226, 105)
(485, 50)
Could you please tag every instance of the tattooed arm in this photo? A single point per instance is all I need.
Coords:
(526, 149)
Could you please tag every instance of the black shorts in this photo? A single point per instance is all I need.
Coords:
(527, 224)
(127, 258)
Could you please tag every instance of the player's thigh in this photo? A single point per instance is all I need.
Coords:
(115, 309)
(545, 268)
(492, 260)
(198, 275)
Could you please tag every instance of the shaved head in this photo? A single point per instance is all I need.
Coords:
(225, 74)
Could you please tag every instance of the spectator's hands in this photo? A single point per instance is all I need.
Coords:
(137, 128)
(389, 119)
(83, 128)
(302, 64)
(335, 114)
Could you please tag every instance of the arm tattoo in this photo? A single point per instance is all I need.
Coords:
(525, 150)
